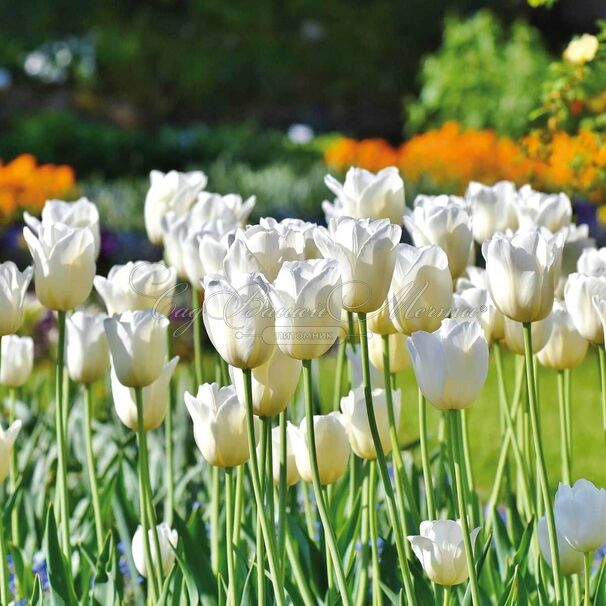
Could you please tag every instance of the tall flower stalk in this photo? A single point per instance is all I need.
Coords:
(91, 466)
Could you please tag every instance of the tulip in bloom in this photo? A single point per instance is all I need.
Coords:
(475, 303)
(540, 331)
(167, 539)
(399, 359)
(577, 244)
(137, 345)
(13, 287)
(7, 440)
(579, 294)
(204, 251)
(64, 264)
(292, 473)
(361, 246)
(87, 350)
(332, 448)
(523, 271)
(536, 209)
(230, 210)
(353, 407)
(17, 360)
(450, 364)
(441, 551)
(592, 262)
(305, 228)
(219, 421)
(155, 399)
(571, 561)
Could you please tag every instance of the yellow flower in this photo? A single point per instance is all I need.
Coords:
(581, 50)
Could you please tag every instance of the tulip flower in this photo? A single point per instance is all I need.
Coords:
(353, 407)
(17, 360)
(475, 303)
(492, 208)
(592, 262)
(167, 539)
(172, 191)
(450, 364)
(204, 251)
(305, 228)
(440, 549)
(566, 348)
(292, 473)
(366, 195)
(82, 213)
(231, 210)
(155, 399)
(175, 229)
(219, 421)
(332, 448)
(360, 246)
(571, 561)
(536, 209)
(239, 318)
(540, 331)
(137, 345)
(523, 271)
(273, 383)
(399, 359)
(64, 264)
(137, 285)
(576, 245)
(87, 350)
(421, 287)
(442, 221)
(7, 441)
(355, 369)
(579, 292)
(13, 287)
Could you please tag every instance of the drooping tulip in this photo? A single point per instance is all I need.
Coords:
(155, 399)
(579, 292)
(7, 441)
(13, 286)
(441, 551)
(361, 246)
(540, 331)
(571, 561)
(537, 209)
(137, 345)
(399, 359)
(292, 473)
(451, 364)
(219, 421)
(87, 349)
(64, 264)
(17, 360)
(167, 540)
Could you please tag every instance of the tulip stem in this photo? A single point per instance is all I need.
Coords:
(431, 511)
(231, 575)
(446, 596)
(382, 463)
(374, 535)
(565, 453)
(602, 358)
(254, 472)
(282, 492)
(214, 520)
(197, 335)
(168, 438)
(5, 595)
(588, 557)
(362, 576)
(329, 535)
(567, 395)
(14, 467)
(458, 459)
(238, 504)
(90, 464)
(541, 468)
(468, 470)
(341, 355)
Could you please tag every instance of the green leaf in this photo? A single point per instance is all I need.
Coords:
(37, 597)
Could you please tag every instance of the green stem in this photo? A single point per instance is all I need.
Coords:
(565, 455)
(602, 359)
(329, 575)
(14, 468)
(90, 464)
(329, 534)
(269, 469)
(362, 588)
(377, 595)
(541, 468)
(282, 493)
(260, 555)
(299, 574)
(214, 520)
(431, 510)
(238, 504)
(588, 560)
(446, 596)
(383, 471)
(468, 471)
(197, 335)
(5, 594)
(254, 472)
(231, 575)
(341, 355)
(168, 437)
(568, 422)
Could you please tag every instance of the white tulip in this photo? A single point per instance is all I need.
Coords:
(82, 213)
(239, 318)
(307, 298)
(305, 228)
(292, 473)
(138, 285)
(366, 195)
(354, 363)
(442, 221)
(64, 264)
(450, 364)
(87, 352)
(523, 271)
(175, 230)
(540, 332)
(579, 293)
(353, 407)
(566, 348)
(231, 210)
(441, 551)
(580, 515)
(204, 251)
(273, 383)
(155, 399)
(492, 208)
(7, 441)
(219, 421)
(332, 448)
(399, 359)
(172, 191)
(17, 360)
(577, 242)
(13, 287)
(571, 561)
(421, 287)
(537, 209)
(137, 345)
(167, 540)
(361, 246)
(475, 303)
(592, 262)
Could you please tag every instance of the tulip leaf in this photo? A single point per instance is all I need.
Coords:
(600, 587)
(479, 564)
(37, 598)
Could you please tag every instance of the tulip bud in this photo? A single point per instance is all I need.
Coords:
(451, 364)
(7, 440)
(292, 473)
(155, 399)
(360, 246)
(571, 561)
(204, 251)
(137, 344)
(174, 232)
(399, 359)
(219, 421)
(17, 360)
(475, 303)
(13, 286)
(230, 209)
(305, 228)
(64, 264)
(167, 539)
(592, 262)
(353, 406)
(579, 293)
(87, 350)
(536, 209)
(576, 244)
(332, 448)
(540, 331)
(441, 551)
